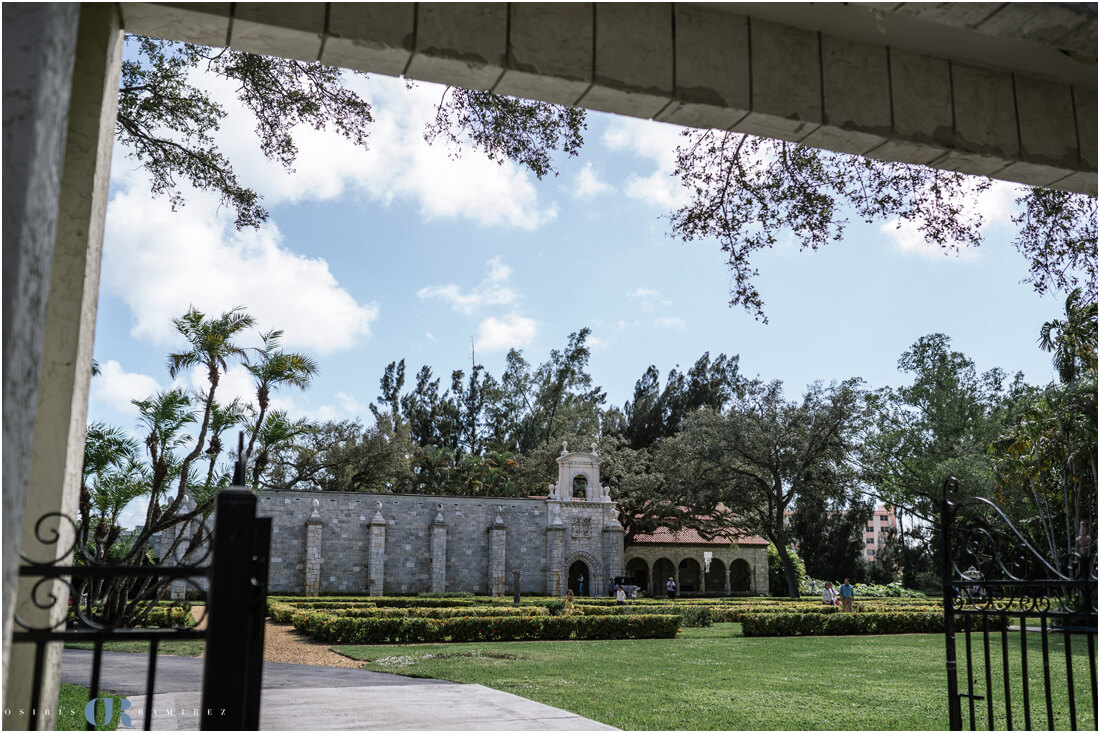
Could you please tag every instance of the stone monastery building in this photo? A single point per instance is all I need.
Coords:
(401, 543)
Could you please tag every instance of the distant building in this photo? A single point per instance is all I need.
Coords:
(882, 523)
(724, 565)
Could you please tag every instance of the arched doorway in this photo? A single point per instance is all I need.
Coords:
(580, 579)
(716, 577)
(638, 570)
(740, 576)
(663, 569)
(689, 575)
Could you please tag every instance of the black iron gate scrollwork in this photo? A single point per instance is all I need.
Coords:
(233, 559)
(1028, 622)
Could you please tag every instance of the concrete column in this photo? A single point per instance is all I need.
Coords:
(39, 49)
(498, 535)
(438, 549)
(314, 527)
(376, 560)
(64, 369)
(555, 547)
(612, 548)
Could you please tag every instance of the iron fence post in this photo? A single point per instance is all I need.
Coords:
(225, 689)
(954, 711)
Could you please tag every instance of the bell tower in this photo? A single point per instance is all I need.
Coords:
(579, 476)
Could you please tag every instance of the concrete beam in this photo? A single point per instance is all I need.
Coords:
(938, 89)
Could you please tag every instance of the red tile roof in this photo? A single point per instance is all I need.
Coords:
(665, 536)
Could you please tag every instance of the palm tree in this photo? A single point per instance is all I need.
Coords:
(1072, 341)
(275, 432)
(275, 368)
(212, 346)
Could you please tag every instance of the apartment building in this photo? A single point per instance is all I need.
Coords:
(882, 522)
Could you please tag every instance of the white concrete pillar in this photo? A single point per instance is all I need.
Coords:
(376, 559)
(314, 528)
(498, 536)
(438, 549)
(39, 48)
(57, 448)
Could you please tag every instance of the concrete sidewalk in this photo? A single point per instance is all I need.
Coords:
(305, 697)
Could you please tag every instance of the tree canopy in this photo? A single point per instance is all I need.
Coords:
(745, 191)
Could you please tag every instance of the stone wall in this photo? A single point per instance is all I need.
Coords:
(405, 533)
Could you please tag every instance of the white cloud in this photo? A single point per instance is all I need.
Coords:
(161, 263)
(116, 389)
(649, 299)
(655, 142)
(399, 165)
(588, 184)
(908, 239)
(349, 404)
(492, 290)
(515, 331)
(673, 322)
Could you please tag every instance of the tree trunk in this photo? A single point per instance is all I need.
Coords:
(788, 569)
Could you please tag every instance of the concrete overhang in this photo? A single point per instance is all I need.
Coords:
(1006, 90)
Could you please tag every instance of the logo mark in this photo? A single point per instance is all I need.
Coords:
(108, 711)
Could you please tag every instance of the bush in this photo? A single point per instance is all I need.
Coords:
(448, 594)
(842, 624)
(359, 630)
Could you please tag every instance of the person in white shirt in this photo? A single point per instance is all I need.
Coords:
(620, 596)
(828, 596)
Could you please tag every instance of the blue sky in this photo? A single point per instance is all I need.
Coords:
(404, 251)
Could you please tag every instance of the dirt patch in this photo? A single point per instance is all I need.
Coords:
(282, 643)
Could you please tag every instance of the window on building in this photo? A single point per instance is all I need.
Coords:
(884, 518)
(870, 542)
(870, 553)
(870, 528)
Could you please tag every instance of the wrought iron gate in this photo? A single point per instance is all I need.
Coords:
(1022, 616)
(234, 560)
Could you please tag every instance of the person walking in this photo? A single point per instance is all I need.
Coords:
(828, 596)
(670, 587)
(847, 593)
(620, 596)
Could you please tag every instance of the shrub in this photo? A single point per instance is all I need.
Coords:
(840, 624)
(365, 630)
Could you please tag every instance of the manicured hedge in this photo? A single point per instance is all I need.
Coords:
(693, 615)
(439, 612)
(353, 630)
(841, 624)
(737, 613)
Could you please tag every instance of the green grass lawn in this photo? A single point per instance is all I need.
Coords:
(71, 702)
(715, 679)
(182, 648)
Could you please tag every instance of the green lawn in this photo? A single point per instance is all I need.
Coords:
(183, 648)
(715, 679)
(71, 702)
